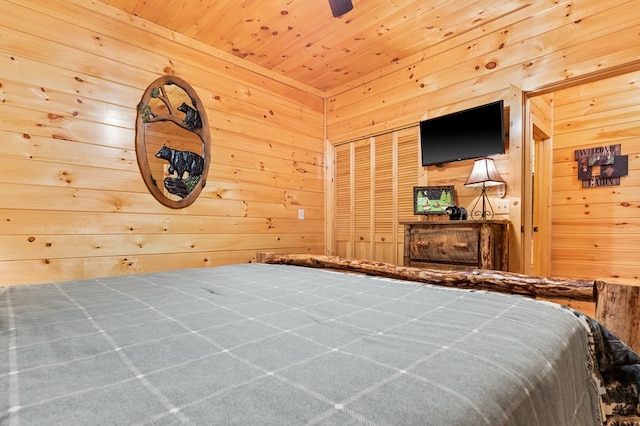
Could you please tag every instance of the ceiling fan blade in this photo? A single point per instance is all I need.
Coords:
(340, 7)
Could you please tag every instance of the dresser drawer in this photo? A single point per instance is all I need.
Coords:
(457, 244)
(451, 246)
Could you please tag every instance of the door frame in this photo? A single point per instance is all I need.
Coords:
(521, 138)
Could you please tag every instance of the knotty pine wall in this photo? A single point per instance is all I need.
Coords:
(566, 42)
(596, 231)
(74, 204)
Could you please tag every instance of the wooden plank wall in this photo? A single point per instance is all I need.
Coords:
(565, 39)
(596, 231)
(564, 42)
(74, 202)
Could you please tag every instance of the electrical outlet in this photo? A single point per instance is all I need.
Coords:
(301, 214)
(502, 206)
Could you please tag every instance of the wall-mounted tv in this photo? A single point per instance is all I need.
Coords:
(472, 133)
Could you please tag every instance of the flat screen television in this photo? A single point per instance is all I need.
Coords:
(472, 133)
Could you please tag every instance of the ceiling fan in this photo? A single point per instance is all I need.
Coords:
(340, 7)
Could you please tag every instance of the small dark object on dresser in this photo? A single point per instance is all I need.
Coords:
(456, 213)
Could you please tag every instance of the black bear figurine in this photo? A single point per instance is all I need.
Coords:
(456, 213)
(182, 161)
(192, 117)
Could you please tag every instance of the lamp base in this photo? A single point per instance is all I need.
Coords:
(485, 210)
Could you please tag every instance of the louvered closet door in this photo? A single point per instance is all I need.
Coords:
(409, 169)
(344, 198)
(362, 193)
(384, 199)
(374, 193)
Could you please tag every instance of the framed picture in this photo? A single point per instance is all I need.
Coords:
(433, 199)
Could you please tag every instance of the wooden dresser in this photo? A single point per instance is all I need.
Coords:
(457, 244)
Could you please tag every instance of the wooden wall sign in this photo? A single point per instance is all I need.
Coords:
(612, 165)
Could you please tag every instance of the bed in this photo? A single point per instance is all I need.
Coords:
(281, 344)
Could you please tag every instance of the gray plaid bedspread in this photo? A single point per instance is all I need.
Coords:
(258, 344)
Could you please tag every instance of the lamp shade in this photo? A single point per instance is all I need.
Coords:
(484, 173)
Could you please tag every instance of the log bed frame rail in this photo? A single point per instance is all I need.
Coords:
(617, 304)
(476, 279)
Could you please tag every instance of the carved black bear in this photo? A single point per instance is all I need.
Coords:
(192, 118)
(456, 213)
(182, 161)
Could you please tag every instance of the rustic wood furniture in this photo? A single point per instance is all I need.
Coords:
(618, 308)
(457, 244)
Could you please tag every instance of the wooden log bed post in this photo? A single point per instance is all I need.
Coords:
(618, 309)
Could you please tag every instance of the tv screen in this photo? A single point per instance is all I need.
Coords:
(472, 133)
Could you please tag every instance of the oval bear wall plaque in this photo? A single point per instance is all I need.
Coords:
(172, 142)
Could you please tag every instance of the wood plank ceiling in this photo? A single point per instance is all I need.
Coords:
(302, 40)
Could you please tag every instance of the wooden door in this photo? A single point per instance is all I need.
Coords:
(541, 248)
(541, 130)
